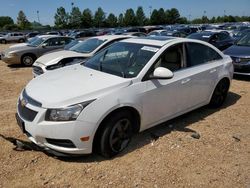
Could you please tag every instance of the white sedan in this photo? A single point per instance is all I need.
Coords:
(75, 54)
(126, 88)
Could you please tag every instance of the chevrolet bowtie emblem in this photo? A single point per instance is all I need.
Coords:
(23, 102)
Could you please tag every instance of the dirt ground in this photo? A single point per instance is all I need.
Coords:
(165, 156)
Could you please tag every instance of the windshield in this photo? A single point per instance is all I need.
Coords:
(122, 59)
(87, 46)
(37, 42)
(71, 44)
(32, 39)
(245, 41)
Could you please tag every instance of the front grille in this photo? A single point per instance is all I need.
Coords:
(37, 70)
(61, 142)
(25, 112)
(29, 100)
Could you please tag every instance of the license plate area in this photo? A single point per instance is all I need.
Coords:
(20, 123)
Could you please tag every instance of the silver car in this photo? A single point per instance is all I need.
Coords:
(27, 55)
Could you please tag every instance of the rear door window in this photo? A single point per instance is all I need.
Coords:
(197, 54)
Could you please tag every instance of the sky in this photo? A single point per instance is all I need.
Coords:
(188, 8)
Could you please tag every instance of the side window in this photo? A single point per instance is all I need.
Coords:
(172, 58)
(63, 41)
(198, 54)
(53, 42)
(222, 36)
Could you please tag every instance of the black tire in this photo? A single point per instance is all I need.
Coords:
(219, 94)
(21, 40)
(28, 60)
(3, 41)
(116, 135)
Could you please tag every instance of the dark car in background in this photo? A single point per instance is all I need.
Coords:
(237, 35)
(221, 40)
(170, 33)
(83, 34)
(240, 54)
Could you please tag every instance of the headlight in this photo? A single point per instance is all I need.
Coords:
(11, 54)
(69, 113)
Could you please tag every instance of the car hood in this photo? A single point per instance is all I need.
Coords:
(238, 51)
(72, 85)
(18, 45)
(55, 57)
(20, 48)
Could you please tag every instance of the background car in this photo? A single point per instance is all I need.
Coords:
(27, 55)
(83, 34)
(240, 53)
(221, 40)
(75, 54)
(239, 34)
(128, 87)
(12, 37)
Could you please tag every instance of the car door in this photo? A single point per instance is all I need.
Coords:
(202, 65)
(193, 82)
(49, 45)
(164, 98)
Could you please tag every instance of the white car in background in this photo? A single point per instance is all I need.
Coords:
(128, 87)
(75, 54)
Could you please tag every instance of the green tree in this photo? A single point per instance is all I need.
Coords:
(99, 17)
(75, 18)
(87, 18)
(22, 21)
(130, 18)
(140, 16)
(172, 16)
(205, 19)
(61, 18)
(6, 20)
(120, 20)
(154, 17)
(161, 16)
(111, 20)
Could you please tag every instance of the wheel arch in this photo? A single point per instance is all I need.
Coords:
(226, 78)
(137, 122)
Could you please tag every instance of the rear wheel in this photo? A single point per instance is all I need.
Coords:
(28, 60)
(3, 41)
(116, 134)
(219, 94)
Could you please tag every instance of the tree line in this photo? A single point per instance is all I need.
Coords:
(76, 19)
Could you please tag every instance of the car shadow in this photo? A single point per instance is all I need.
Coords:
(242, 77)
(139, 140)
(17, 66)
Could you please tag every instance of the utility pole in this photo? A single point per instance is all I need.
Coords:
(150, 10)
(37, 12)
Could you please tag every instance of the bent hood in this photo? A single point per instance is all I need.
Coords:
(238, 51)
(72, 85)
(54, 57)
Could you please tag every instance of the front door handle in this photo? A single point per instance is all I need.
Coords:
(185, 81)
(213, 70)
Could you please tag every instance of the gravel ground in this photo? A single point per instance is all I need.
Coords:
(164, 156)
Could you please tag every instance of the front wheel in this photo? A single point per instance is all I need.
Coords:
(116, 134)
(28, 60)
(219, 94)
(3, 41)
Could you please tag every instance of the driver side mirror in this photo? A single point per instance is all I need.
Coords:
(162, 73)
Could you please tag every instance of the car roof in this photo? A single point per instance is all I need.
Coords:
(156, 41)
(111, 37)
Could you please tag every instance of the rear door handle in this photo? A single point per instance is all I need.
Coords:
(213, 70)
(185, 81)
